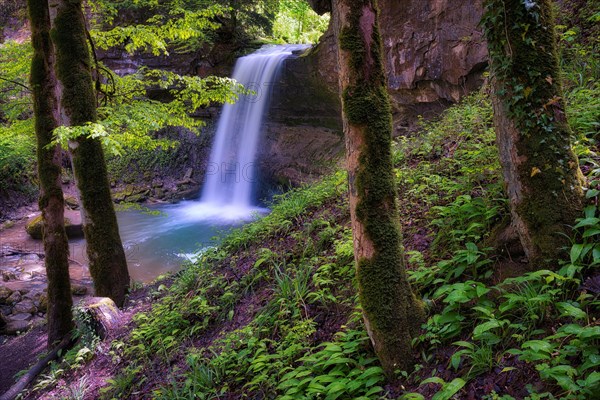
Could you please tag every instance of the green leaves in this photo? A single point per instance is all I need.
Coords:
(160, 31)
(334, 372)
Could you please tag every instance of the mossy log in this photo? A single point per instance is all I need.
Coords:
(391, 312)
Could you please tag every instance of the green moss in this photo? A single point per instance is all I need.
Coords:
(385, 295)
(74, 64)
(42, 79)
(106, 256)
(524, 62)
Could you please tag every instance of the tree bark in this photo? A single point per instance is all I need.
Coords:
(391, 312)
(107, 262)
(51, 201)
(541, 172)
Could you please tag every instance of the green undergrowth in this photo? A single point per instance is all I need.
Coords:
(449, 176)
(273, 313)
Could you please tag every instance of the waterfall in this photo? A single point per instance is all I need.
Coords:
(231, 173)
(230, 181)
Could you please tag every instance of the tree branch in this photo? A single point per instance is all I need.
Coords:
(16, 83)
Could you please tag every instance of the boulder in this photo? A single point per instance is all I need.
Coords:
(73, 226)
(14, 298)
(34, 227)
(43, 302)
(25, 306)
(19, 317)
(5, 293)
(16, 327)
(9, 276)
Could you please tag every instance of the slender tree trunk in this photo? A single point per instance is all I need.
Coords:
(391, 312)
(51, 202)
(108, 266)
(541, 172)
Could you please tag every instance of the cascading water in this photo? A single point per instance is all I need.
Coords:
(231, 173)
(153, 243)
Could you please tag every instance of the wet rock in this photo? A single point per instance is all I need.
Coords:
(187, 193)
(73, 226)
(43, 302)
(5, 293)
(137, 198)
(32, 258)
(14, 298)
(25, 306)
(35, 227)
(78, 290)
(71, 202)
(16, 327)
(18, 317)
(5, 310)
(9, 276)
(33, 295)
(159, 193)
(25, 276)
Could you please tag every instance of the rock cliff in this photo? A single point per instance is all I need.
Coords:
(434, 54)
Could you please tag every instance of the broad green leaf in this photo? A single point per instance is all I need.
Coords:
(449, 389)
(576, 250)
(569, 310)
(486, 326)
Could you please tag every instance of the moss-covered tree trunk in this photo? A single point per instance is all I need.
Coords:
(51, 202)
(540, 170)
(391, 312)
(107, 263)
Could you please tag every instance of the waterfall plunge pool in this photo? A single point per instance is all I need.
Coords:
(160, 239)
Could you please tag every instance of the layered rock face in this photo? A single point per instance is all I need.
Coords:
(434, 54)
(303, 135)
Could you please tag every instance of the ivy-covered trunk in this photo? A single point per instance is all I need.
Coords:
(51, 201)
(391, 312)
(541, 172)
(107, 263)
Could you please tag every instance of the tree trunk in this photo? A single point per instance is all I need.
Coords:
(107, 263)
(391, 312)
(541, 172)
(51, 202)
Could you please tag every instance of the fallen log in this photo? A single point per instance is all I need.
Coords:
(34, 371)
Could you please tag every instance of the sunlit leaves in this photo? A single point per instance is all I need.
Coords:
(129, 117)
(15, 101)
(173, 28)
